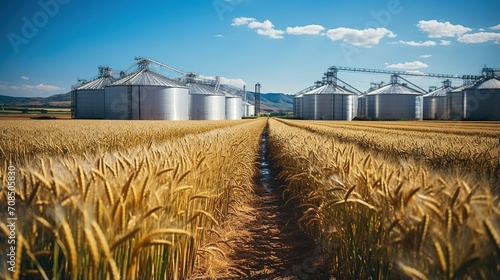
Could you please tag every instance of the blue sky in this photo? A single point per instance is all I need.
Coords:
(285, 45)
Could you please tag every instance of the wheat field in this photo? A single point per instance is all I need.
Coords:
(151, 199)
(381, 216)
(145, 206)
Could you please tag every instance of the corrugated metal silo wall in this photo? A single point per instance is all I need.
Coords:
(481, 104)
(310, 107)
(163, 103)
(89, 104)
(329, 106)
(297, 106)
(361, 106)
(207, 107)
(435, 108)
(394, 107)
(118, 102)
(251, 110)
(455, 102)
(233, 108)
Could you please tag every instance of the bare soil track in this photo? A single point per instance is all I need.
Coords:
(272, 245)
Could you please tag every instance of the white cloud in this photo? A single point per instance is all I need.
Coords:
(496, 27)
(366, 37)
(418, 44)
(265, 28)
(239, 83)
(426, 55)
(2, 87)
(480, 37)
(445, 43)
(39, 87)
(312, 29)
(437, 29)
(415, 72)
(219, 36)
(242, 21)
(408, 65)
(25, 78)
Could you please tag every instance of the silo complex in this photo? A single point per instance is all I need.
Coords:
(88, 98)
(146, 95)
(205, 103)
(394, 101)
(436, 103)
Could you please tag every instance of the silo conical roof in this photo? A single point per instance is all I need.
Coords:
(98, 83)
(195, 88)
(440, 92)
(492, 83)
(329, 89)
(146, 77)
(394, 89)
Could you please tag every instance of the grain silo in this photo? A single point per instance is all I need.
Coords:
(482, 100)
(206, 103)
(436, 103)
(88, 98)
(394, 101)
(329, 101)
(233, 107)
(248, 109)
(146, 95)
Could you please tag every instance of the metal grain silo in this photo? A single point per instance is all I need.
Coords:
(329, 102)
(248, 110)
(394, 102)
(482, 101)
(146, 95)
(233, 107)
(205, 103)
(88, 99)
(436, 103)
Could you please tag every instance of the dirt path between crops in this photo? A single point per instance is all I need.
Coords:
(271, 245)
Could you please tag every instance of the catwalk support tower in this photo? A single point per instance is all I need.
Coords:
(257, 99)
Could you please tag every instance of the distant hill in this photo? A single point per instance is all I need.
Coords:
(269, 102)
(58, 100)
(273, 102)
